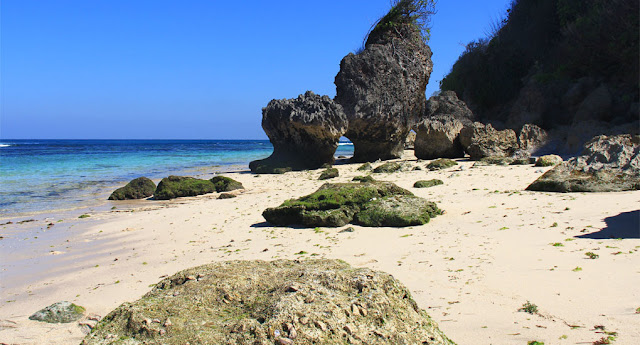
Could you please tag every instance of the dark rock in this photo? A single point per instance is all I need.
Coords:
(139, 188)
(482, 141)
(607, 164)
(427, 183)
(367, 178)
(495, 161)
(335, 205)
(523, 161)
(382, 90)
(388, 167)
(227, 196)
(180, 186)
(365, 167)
(441, 163)
(304, 132)
(247, 303)
(548, 160)
(225, 184)
(60, 312)
(328, 174)
(596, 106)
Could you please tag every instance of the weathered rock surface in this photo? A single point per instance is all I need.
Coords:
(441, 163)
(531, 138)
(277, 302)
(388, 167)
(60, 312)
(382, 90)
(329, 173)
(427, 183)
(482, 141)
(410, 140)
(304, 132)
(335, 205)
(180, 186)
(138, 188)
(607, 164)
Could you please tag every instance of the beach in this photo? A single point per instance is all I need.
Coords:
(496, 248)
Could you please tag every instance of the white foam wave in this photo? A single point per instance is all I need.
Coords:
(345, 144)
(4, 145)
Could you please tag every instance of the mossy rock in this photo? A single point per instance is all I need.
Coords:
(61, 312)
(226, 196)
(367, 178)
(494, 160)
(180, 186)
(397, 211)
(548, 161)
(225, 184)
(139, 188)
(335, 205)
(329, 173)
(427, 183)
(441, 163)
(272, 302)
(523, 161)
(388, 167)
(564, 179)
(365, 167)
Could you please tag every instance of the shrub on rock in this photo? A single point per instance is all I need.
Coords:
(138, 188)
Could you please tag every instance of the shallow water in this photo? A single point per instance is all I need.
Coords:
(51, 175)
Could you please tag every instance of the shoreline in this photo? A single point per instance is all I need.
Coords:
(471, 269)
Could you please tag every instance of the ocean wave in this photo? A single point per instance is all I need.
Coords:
(345, 144)
(4, 145)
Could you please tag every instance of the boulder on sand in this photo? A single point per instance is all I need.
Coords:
(607, 164)
(138, 188)
(382, 88)
(481, 141)
(272, 302)
(366, 204)
(181, 186)
(304, 132)
(60, 312)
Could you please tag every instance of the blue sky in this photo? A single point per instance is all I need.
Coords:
(198, 69)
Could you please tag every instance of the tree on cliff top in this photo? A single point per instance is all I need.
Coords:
(416, 13)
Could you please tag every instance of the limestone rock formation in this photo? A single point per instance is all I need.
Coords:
(366, 204)
(138, 188)
(437, 134)
(482, 141)
(304, 133)
(60, 312)
(548, 160)
(382, 90)
(531, 138)
(607, 164)
(276, 302)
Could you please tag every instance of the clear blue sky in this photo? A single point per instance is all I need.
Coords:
(198, 69)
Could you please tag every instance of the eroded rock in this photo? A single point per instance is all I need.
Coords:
(482, 141)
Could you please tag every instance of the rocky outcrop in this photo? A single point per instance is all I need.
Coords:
(366, 204)
(139, 188)
(304, 133)
(60, 312)
(531, 138)
(607, 164)
(382, 90)
(441, 163)
(482, 141)
(548, 160)
(276, 302)
(437, 134)
(427, 183)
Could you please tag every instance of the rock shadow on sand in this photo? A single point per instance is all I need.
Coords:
(623, 225)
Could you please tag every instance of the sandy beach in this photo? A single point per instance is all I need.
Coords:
(496, 248)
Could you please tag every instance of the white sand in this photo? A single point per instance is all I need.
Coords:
(471, 268)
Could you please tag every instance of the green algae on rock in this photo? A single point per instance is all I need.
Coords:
(225, 184)
(388, 167)
(60, 312)
(180, 186)
(337, 204)
(282, 302)
(397, 211)
(427, 183)
(139, 188)
(365, 167)
(441, 163)
(367, 178)
(329, 173)
(548, 160)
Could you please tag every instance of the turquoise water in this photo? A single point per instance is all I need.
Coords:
(47, 175)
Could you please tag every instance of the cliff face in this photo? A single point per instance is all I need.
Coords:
(555, 63)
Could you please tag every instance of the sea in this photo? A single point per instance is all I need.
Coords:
(49, 176)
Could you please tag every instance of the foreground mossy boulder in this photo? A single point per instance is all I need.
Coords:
(60, 312)
(139, 188)
(276, 302)
(365, 203)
